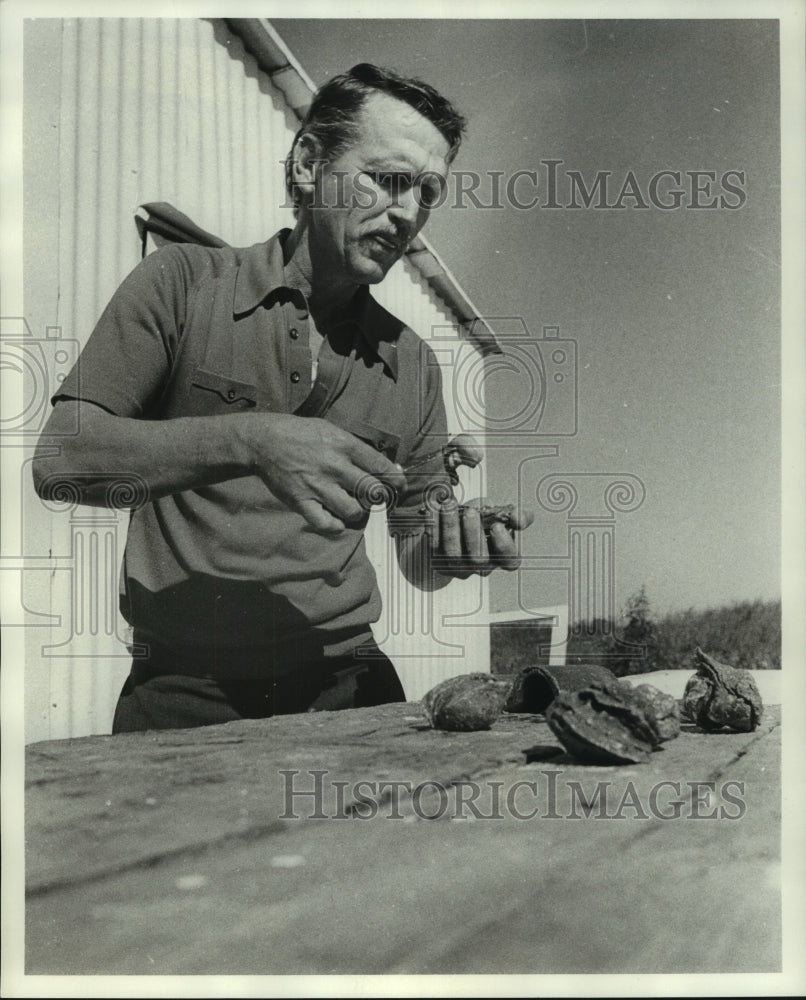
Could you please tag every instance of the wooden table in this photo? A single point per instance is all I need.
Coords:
(168, 852)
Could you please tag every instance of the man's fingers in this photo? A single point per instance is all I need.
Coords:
(503, 550)
(450, 530)
(462, 545)
(341, 504)
(467, 548)
(318, 518)
(370, 460)
(475, 542)
(521, 518)
(366, 489)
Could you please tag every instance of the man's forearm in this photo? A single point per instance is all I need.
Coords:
(312, 466)
(161, 457)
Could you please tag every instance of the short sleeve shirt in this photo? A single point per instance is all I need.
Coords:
(197, 331)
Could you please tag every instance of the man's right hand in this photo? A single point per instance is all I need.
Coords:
(317, 469)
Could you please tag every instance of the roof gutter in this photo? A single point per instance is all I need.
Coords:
(261, 40)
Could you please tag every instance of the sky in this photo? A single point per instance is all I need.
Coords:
(674, 314)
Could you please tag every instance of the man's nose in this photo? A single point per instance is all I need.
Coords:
(407, 212)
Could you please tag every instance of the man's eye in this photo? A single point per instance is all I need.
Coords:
(394, 183)
(428, 195)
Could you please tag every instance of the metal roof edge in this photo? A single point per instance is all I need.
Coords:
(273, 56)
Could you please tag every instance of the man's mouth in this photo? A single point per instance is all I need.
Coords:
(386, 242)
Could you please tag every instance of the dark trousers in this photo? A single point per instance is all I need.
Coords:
(155, 698)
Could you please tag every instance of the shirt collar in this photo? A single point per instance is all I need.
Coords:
(260, 271)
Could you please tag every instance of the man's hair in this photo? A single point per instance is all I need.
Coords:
(333, 117)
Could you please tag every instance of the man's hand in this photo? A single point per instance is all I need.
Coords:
(460, 546)
(318, 469)
(457, 541)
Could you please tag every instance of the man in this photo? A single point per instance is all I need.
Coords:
(262, 397)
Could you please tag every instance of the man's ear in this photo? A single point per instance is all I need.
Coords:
(307, 156)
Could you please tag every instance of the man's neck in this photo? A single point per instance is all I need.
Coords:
(328, 297)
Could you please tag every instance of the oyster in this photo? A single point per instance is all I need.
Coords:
(663, 708)
(721, 697)
(534, 688)
(605, 723)
(466, 703)
(490, 514)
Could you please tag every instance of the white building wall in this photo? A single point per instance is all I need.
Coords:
(431, 637)
(121, 112)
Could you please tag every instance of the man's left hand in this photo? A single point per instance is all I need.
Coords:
(460, 547)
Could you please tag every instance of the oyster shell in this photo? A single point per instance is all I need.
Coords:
(664, 709)
(466, 703)
(491, 515)
(721, 697)
(534, 688)
(605, 723)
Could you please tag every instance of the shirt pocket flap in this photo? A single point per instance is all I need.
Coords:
(230, 390)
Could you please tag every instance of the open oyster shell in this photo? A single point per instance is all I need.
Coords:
(721, 697)
(605, 723)
(534, 688)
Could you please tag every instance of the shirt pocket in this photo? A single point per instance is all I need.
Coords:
(212, 393)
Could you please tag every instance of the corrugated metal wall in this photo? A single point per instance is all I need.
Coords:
(120, 112)
(431, 637)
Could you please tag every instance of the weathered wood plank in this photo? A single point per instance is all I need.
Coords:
(102, 804)
(230, 889)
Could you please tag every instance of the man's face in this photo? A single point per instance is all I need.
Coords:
(374, 198)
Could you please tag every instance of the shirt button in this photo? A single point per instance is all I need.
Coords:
(293, 333)
(380, 445)
(295, 377)
(231, 394)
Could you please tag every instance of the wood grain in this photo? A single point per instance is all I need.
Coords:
(166, 853)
